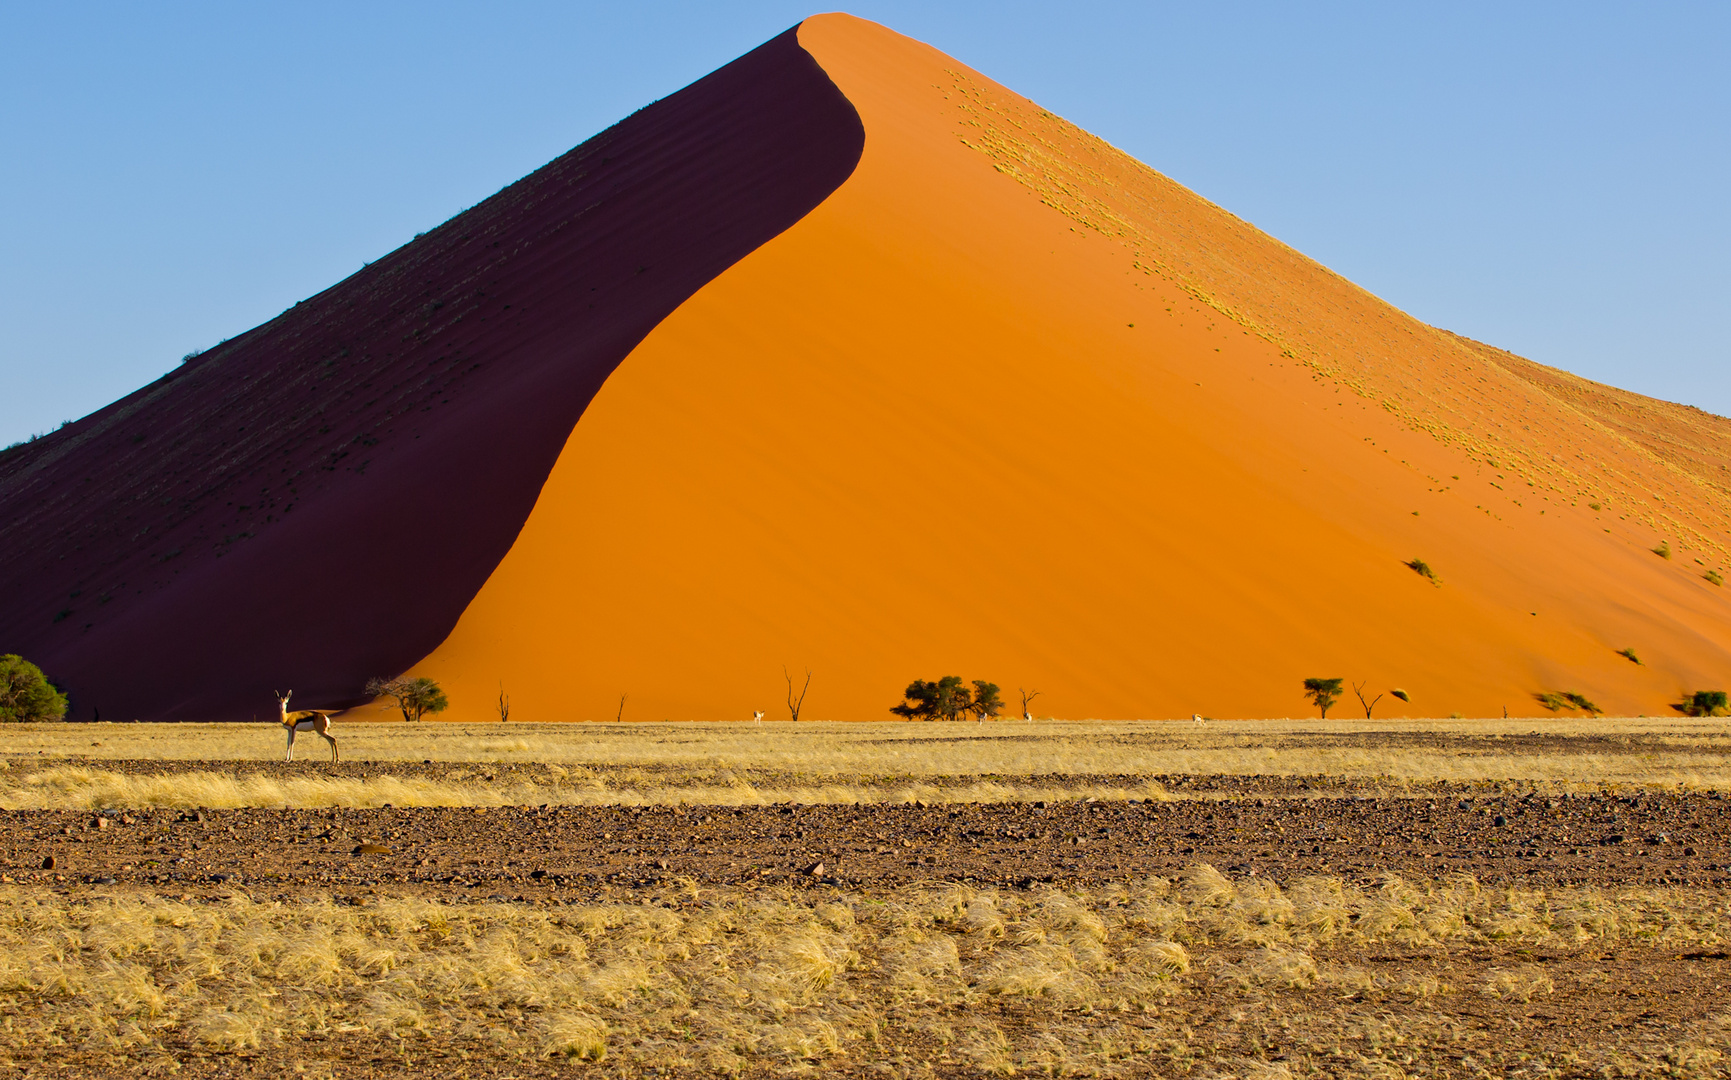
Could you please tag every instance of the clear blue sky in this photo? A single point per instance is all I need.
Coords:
(1549, 177)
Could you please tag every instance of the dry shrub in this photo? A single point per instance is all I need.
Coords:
(1522, 983)
(574, 1035)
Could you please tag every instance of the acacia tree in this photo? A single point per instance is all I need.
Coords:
(26, 695)
(416, 697)
(1322, 693)
(986, 702)
(947, 699)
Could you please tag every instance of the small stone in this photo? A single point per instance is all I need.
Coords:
(50, 863)
(815, 870)
(538, 874)
(101, 823)
(660, 864)
(1689, 851)
(1500, 820)
(372, 849)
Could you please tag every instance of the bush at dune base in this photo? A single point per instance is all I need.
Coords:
(26, 695)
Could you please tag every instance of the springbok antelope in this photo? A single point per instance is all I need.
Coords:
(757, 716)
(305, 720)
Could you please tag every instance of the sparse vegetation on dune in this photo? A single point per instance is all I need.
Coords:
(1205, 971)
(1423, 569)
(1556, 700)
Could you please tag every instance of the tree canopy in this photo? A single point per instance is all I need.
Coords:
(26, 695)
(986, 703)
(1322, 693)
(416, 697)
(948, 699)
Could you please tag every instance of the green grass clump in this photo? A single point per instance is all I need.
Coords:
(1629, 655)
(1663, 550)
(1715, 577)
(1422, 569)
(1565, 699)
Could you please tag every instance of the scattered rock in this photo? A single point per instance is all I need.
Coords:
(372, 849)
(814, 870)
(50, 863)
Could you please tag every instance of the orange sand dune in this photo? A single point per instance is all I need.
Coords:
(1009, 405)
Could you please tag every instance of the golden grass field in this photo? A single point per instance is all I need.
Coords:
(1204, 973)
(61, 765)
(1101, 982)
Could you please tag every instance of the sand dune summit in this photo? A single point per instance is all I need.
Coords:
(846, 358)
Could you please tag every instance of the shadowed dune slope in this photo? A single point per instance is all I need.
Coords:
(316, 501)
(1011, 405)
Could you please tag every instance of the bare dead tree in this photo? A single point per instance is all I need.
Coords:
(1358, 688)
(504, 705)
(1027, 696)
(620, 717)
(794, 704)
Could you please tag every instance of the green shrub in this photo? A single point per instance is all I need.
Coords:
(1704, 703)
(26, 695)
(1663, 550)
(1715, 577)
(1629, 655)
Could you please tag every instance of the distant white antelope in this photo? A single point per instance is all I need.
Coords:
(757, 716)
(305, 720)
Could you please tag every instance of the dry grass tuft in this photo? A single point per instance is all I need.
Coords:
(734, 981)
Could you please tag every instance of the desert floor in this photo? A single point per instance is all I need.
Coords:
(1254, 899)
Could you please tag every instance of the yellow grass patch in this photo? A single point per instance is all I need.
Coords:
(744, 764)
(714, 980)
